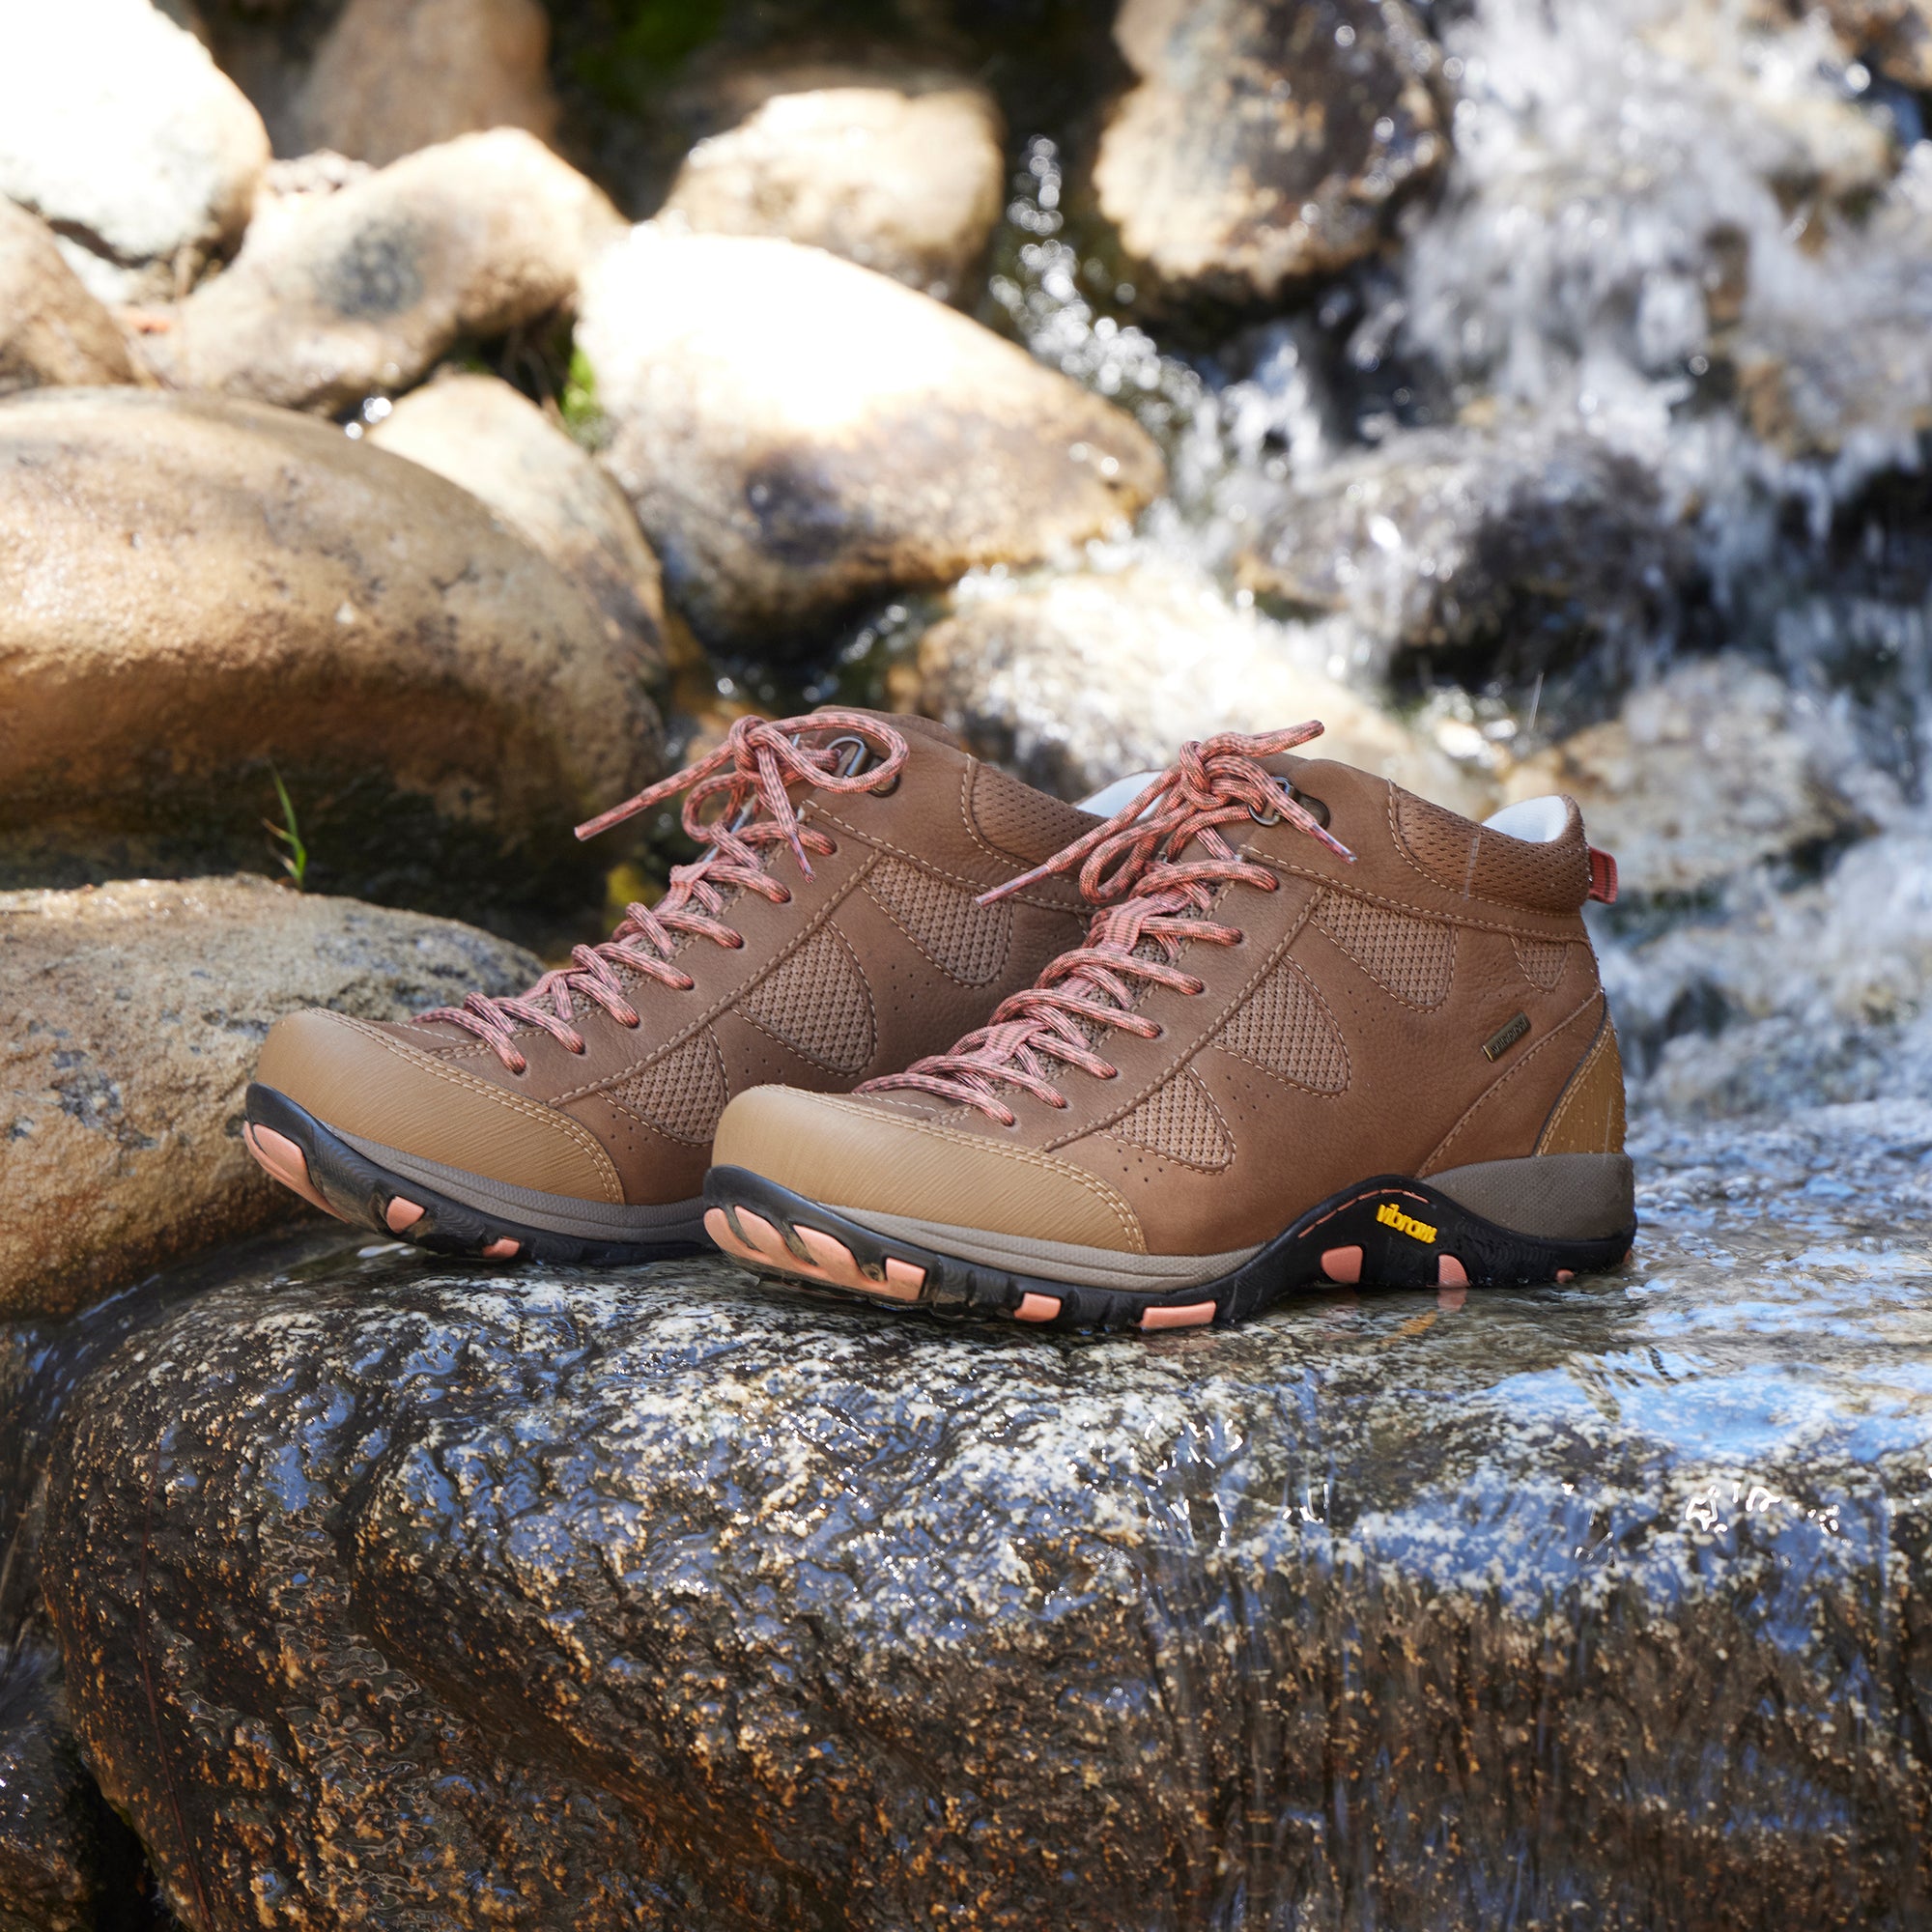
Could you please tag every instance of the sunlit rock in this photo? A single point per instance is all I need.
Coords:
(1898, 32)
(202, 592)
(499, 446)
(51, 330)
(903, 177)
(1532, 546)
(394, 75)
(1266, 139)
(798, 434)
(134, 1014)
(119, 130)
(664, 1600)
(1705, 772)
(1078, 680)
(361, 289)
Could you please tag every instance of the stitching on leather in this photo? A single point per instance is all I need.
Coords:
(926, 860)
(1592, 1053)
(1227, 1133)
(1468, 892)
(1124, 1216)
(1355, 959)
(1563, 926)
(931, 958)
(1498, 1085)
(580, 1135)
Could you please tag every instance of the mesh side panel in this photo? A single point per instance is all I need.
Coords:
(966, 941)
(1541, 961)
(1413, 959)
(1285, 1030)
(1461, 857)
(1179, 1121)
(818, 1003)
(1030, 824)
(681, 1093)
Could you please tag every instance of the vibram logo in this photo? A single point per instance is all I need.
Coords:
(1392, 1216)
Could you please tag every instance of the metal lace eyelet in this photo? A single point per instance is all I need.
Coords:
(891, 785)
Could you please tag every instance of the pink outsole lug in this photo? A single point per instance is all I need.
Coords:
(830, 1261)
(283, 1160)
(402, 1214)
(1450, 1273)
(907, 1277)
(1566, 1274)
(504, 1249)
(1343, 1264)
(1038, 1308)
(1196, 1315)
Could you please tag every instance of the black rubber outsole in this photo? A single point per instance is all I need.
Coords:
(360, 1192)
(1461, 1250)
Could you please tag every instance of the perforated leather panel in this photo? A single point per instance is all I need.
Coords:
(1465, 857)
(966, 941)
(1179, 1121)
(818, 1004)
(1412, 958)
(1286, 1029)
(1015, 818)
(1541, 961)
(681, 1093)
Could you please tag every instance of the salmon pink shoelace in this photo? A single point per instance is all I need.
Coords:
(1132, 865)
(751, 772)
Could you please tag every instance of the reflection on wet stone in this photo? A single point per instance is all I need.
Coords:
(663, 1598)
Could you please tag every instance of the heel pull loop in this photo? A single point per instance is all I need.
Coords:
(1602, 877)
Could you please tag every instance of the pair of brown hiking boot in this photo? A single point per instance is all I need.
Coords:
(915, 1031)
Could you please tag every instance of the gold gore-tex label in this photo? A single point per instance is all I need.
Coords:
(1506, 1036)
(1392, 1216)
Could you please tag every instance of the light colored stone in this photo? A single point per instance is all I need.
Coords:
(1080, 680)
(907, 180)
(51, 330)
(361, 291)
(196, 586)
(132, 1018)
(1716, 766)
(798, 434)
(499, 446)
(118, 129)
(395, 75)
(1266, 139)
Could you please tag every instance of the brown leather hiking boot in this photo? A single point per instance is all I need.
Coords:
(830, 932)
(1321, 1031)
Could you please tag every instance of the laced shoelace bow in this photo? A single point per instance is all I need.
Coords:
(1131, 866)
(751, 773)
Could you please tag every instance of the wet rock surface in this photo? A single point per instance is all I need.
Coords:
(201, 588)
(905, 179)
(363, 290)
(797, 434)
(488, 440)
(51, 330)
(133, 1016)
(118, 129)
(1266, 139)
(661, 1597)
(1078, 680)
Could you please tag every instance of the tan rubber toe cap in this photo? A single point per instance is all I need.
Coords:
(360, 1080)
(846, 1152)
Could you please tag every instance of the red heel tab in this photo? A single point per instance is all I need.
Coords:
(1602, 877)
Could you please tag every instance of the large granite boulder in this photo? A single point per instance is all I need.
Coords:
(798, 434)
(119, 130)
(51, 330)
(361, 290)
(133, 1016)
(199, 590)
(393, 1592)
(499, 446)
(389, 78)
(904, 176)
(1074, 681)
(1266, 139)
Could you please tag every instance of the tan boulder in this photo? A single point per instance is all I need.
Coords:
(51, 330)
(1079, 681)
(499, 446)
(903, 177)
(798, 434)
(395, 75)
(1266, 139)
(197, 587)
(132, 1018)
(361, 291)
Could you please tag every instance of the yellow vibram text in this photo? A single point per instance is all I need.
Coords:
(1392, 1216)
